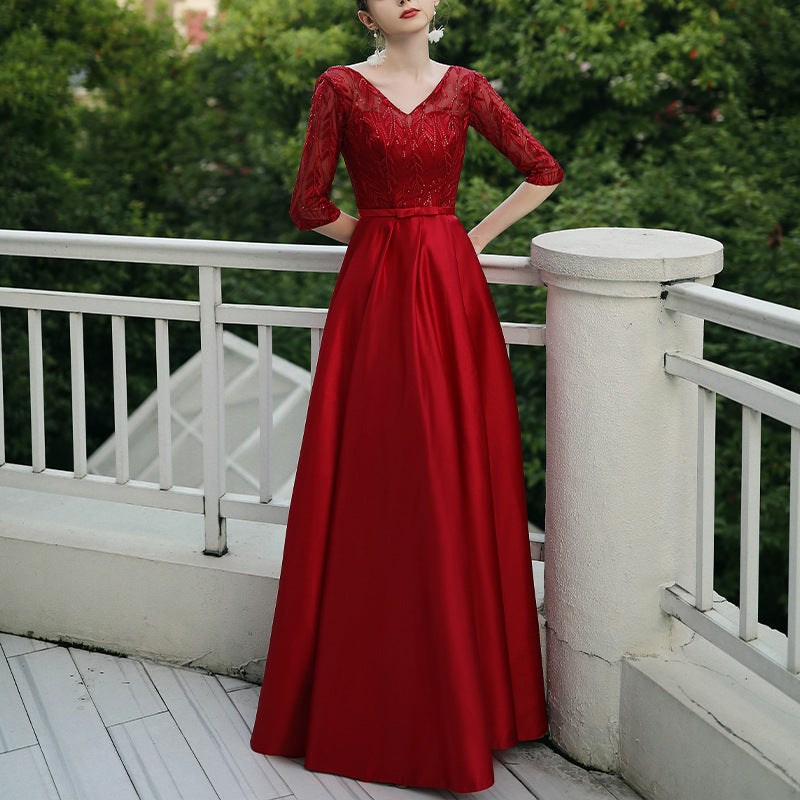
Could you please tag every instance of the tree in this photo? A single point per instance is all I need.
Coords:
(256, 73)
(86, 148)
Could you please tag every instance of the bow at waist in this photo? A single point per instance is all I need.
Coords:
(401, 213)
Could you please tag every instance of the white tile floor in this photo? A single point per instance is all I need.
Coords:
(78, 725)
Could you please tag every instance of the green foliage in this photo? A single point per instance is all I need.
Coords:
(256, 74)
(90, 94)
(680, 114)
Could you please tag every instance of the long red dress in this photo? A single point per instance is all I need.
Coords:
(405, 644)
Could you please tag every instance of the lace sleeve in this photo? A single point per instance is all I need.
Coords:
(494, 120)
(311, 205)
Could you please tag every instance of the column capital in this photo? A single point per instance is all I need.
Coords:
(623, 262)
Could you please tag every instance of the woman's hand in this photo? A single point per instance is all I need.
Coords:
(340, 229)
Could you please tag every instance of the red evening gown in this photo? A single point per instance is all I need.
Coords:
(405, 644)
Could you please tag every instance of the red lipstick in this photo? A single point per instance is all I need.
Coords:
(412, 12)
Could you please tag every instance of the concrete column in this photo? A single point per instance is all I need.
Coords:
(621, 464)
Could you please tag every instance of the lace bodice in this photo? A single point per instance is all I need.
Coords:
(401, 160)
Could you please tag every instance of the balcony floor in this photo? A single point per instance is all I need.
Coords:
(81, 725)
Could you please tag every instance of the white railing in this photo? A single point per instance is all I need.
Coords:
(211, 314)
(757, 397)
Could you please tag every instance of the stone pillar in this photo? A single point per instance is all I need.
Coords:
(621, 464)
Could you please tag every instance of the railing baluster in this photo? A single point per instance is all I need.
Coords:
(120, 398)
(316, 339)
(2, 404)
(37, 389)
(164, 405)
(751, 502)
(793, 628)
(78, 377)
(707, 416)
(265, 411)
(213, 410)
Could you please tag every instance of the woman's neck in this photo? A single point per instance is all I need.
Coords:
(407, 54)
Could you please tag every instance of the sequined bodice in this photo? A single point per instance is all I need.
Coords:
(400, 160)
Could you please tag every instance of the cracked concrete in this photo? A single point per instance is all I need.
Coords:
(583, 696)
(551, 632)
(748, 743)
(251, 671)
(190, 662)
(626, 656)
(699, 697)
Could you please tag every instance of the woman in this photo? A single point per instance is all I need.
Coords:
(405, 643)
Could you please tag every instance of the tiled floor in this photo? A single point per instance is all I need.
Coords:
(78, 725)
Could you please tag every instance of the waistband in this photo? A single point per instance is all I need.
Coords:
(401, 213)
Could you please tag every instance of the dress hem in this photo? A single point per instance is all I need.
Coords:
(377, 777)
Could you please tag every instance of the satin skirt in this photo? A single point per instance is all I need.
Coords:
(405, 643)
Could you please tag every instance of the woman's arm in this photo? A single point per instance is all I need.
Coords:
(311, 206)
(340, 229)
(494, 120)
(521, 202)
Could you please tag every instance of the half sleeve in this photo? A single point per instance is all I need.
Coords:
(311, 205)
(494, 120)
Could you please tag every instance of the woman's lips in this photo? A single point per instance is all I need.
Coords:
(412, 12)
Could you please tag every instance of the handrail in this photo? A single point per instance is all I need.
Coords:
(214, 253)
(742, 313)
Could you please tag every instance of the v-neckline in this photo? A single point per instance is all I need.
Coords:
(395, 106)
